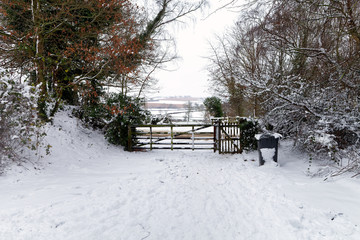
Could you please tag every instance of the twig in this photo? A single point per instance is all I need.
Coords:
(356, 175)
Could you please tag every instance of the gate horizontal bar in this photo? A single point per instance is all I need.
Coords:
(169, 148)
(174, 125)
(176, 138)
(174, 143)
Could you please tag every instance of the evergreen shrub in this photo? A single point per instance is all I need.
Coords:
(248, 127)
(213, 106)
(123, 111)
(113, 114)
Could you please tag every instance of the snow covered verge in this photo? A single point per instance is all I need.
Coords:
(88, 189)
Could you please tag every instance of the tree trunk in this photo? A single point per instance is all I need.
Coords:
(352, 28)
(39, 60)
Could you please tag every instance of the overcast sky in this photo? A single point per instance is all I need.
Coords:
(190, 76)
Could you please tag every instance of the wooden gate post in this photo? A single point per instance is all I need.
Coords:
(172, 138)
(215, 139)
(193, 137)
(151, 142)
(218, 136)
(129, 138)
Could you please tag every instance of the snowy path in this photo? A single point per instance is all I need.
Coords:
(91, 191)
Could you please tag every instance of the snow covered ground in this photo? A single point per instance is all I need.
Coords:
(89, 190)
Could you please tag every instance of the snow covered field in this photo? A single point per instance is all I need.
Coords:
(89, 190)
(177, 108)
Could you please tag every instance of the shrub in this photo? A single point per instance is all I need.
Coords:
(19, 125)
(341, 146)
(113, 113)
(249, 128)
(91, 110)
(123, 111)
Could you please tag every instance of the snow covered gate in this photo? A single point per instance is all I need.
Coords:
(220, 136)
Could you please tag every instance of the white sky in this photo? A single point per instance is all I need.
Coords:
(190, 76)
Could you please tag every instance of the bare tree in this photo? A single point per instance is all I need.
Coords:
(301, 60)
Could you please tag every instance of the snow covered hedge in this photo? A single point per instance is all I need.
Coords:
(19, 127)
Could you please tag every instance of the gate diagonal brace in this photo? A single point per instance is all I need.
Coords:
(232, 141)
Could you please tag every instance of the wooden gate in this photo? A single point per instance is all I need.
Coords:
(221, 136)
(172, 136)
(227, 137)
